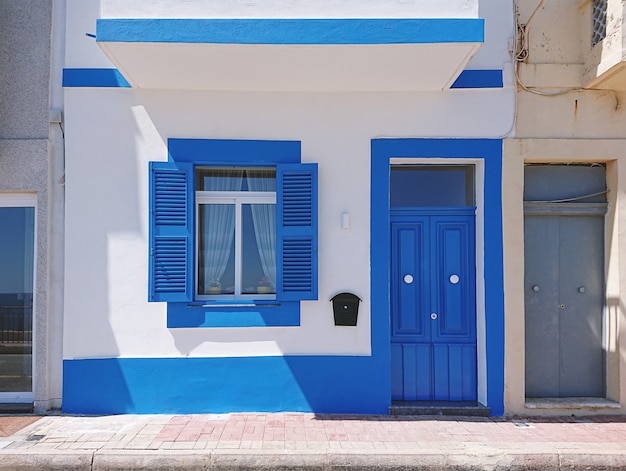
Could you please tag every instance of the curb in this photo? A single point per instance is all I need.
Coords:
(223, 460)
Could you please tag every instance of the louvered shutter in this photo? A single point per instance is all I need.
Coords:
(296, 203)
(171, 203)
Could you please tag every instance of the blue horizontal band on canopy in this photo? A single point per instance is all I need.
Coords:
(112, 78)
(85, 78)
(479, 79)
(292, 31)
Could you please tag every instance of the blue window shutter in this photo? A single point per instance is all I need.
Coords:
(171, 250)
(296, 209)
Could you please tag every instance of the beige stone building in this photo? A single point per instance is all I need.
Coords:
(564, 176)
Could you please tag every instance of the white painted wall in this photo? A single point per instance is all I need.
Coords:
(112, 134)
(289, 8)
(81, 51)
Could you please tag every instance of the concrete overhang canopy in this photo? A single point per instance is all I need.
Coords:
(352, 54)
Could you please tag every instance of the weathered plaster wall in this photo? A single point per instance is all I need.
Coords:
(557, 121)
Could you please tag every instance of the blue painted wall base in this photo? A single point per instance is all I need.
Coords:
(322, 384)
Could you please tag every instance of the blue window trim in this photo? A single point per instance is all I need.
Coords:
(185, 153)
(490, 150)
(308, 31)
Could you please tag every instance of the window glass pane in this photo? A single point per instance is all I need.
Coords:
(17, 235)
(451, 185)
(576, 183)
(216, 249)
(235, 179)
(219, 179)
(260, 179)
(258, 248)
(236, 243)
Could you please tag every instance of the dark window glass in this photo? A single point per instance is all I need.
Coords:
(235, 179)
(17, 235)
(450, 185)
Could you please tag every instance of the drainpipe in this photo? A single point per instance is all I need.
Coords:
(48, 395)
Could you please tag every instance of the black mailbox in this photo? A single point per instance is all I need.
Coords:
(345, 308)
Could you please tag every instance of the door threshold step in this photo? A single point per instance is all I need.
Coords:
(593, 403)
(458, 408)
(16, 408)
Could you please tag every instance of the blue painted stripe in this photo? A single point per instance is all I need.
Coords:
(479, 79)
(113, 78)
(292, 31)
(322, 384)
(94, 78)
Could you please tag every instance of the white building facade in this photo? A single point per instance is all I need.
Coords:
(243, 177)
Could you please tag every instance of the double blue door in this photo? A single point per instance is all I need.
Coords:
(433, 304)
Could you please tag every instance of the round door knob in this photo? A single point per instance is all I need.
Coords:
(433, 316)
(454, 279)
(581, 289)
(535, 288)
(408, 279)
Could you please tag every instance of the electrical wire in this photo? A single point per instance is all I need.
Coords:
(567, 200)
(522, 53)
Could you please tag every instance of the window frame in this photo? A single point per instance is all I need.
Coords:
(185, 155)
(238, 199)
(26, 200)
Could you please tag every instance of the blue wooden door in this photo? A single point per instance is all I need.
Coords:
(433, 306)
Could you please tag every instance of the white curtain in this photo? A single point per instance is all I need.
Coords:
(264, 220)
(218, 224)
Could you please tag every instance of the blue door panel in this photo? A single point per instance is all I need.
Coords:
(462, 360)
(455, 365)
(470, 373)
(397, 373)
(409, 250)
(410, 373)
(424, 371)
(452, 316)
(454, 282)
(454, 372)
(441, 386)
(416, 372)
(433, 310)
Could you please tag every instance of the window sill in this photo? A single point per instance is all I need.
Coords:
(238, 314)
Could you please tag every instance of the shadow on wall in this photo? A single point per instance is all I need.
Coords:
(323, 384)
(103, 223)
(216, 385)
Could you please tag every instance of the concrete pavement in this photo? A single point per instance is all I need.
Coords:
(299, 441)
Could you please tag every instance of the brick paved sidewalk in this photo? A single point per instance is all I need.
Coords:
(308, 441)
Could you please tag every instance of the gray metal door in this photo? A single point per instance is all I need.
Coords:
(564, 281)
